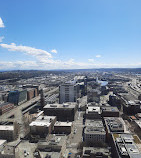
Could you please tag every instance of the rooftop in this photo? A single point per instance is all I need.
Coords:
(127, 97)
(17, 91)
(126, 145)
(39, 123)
(43, 121)
(138, 115)
(94, 130)
(79, 77)
(63, 124)
(2, 141)
(94, 126)
(3, 104)
(29, 89)
(55, 140)
(45, 118)
(97, 151)
(60, 106)
(6, 128)
(94, 123)
(69, 83)
(93, 109)
(52, 154)
(8, 150)
(114, 124)
(109, 109)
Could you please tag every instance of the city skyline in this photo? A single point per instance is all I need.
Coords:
(70, 34)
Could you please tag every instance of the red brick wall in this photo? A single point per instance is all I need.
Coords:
(6, 108)
(30, 94)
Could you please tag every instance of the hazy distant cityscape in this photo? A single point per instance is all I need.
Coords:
(71, 113)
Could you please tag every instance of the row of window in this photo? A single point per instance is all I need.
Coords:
(95, 139)
(95, 136)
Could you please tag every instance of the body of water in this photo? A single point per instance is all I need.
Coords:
(103, 83)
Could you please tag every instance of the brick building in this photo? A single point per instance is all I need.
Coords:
(64, 112)
(5, 107)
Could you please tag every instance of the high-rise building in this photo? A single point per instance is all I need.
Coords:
(68, 92)
(17, 97)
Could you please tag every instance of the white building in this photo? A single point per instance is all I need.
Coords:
(68, 92)
(43, 125)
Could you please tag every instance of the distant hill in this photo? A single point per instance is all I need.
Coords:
(36, 73)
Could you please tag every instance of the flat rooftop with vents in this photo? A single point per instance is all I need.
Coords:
(125, 146)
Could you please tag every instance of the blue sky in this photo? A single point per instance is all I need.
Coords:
(65, 34)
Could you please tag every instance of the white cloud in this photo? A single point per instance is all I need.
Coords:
(91, 60)
(98, 56)
(57, 64)
(4, 65)
(44, 60)
(28, 50)
(71, 61)
(1, 38)
(1, 23)
(53, 51)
